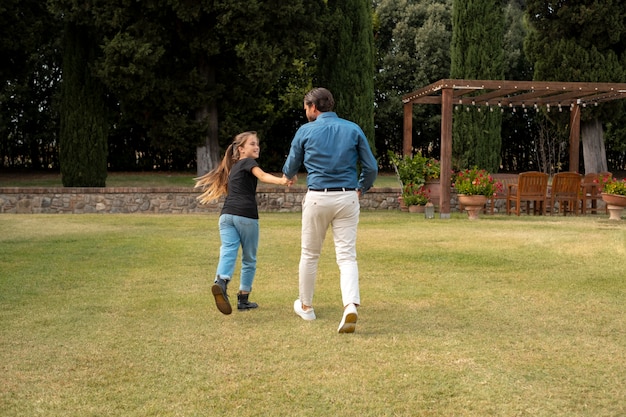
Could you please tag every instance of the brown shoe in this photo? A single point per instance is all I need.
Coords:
(221, 297)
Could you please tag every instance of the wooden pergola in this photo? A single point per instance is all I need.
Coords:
(502, 94)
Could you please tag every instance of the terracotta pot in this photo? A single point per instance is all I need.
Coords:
(614, 204)
(416, 209)
(473, 204)
(403, 206)
(434, 190)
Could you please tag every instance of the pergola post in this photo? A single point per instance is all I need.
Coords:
(446, 153)
(407, 142)
(574, 137)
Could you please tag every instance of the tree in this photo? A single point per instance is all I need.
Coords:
(477, 53)
(412, 50)
(83, 138)
(184, 77)
(521, 130)
(200, 72)
(29, 80)
(346, 61)
(580, 40)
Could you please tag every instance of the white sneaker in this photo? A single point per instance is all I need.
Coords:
(305, 314)
(348, 321)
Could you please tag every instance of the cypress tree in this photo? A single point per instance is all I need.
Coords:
(83, 136)
(346, 61)
(477, 53)
(580, 41)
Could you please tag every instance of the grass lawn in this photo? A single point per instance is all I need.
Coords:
(112, 315)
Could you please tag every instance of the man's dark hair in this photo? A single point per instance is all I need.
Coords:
(322, 98)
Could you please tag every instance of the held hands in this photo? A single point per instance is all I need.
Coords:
(289, 182)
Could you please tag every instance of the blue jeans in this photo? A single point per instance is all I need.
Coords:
(238, 231)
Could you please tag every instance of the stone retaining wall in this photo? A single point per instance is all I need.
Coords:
(160, 200)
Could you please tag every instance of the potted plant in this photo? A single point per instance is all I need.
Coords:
(474, 186)
(614, 195)
(417, 170)
(415, 197)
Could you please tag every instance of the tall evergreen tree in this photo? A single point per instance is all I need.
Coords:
(83, 137)
(477, 53)
(580, 40)
(346, 61)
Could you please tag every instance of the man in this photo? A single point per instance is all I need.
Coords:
(330, 149)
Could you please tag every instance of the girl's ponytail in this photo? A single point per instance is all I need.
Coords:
(215, 182)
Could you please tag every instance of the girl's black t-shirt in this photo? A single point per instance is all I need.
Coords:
(241, 197)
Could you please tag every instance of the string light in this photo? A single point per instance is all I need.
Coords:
(479, 108)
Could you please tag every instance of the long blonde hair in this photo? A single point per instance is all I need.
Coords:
(215, 182)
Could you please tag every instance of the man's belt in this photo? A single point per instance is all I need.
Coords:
(334, 189)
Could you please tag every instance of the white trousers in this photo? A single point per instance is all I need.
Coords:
(340, 210)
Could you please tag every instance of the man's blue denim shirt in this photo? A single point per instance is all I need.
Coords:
(330, 148)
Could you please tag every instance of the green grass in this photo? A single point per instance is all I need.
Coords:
(140, 179)
(505, 316)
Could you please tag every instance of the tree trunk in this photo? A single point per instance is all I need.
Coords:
(83, 125)
(208, 154)
(594, 153)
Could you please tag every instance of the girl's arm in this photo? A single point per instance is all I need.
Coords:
(269, 178)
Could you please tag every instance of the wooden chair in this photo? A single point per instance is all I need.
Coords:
(590, 193)
(565, 191)
(531, 186)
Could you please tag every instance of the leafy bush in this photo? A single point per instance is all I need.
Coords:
(416, 169)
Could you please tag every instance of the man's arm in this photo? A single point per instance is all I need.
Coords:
(369, 166)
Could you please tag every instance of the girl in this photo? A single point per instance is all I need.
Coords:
(236, 177)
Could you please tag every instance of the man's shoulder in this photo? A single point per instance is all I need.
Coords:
(331, 117)
(325, 120)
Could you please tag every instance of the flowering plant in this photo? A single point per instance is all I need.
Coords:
(414, 195)
(476, 182)
(416, 169)
(611, 185)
